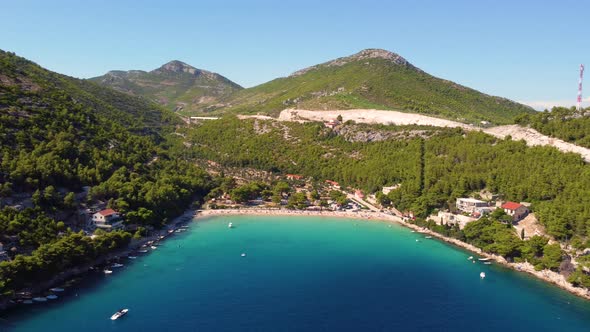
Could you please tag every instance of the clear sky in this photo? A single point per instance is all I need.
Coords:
(525, 50)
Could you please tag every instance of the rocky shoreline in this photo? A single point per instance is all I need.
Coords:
(80, 270)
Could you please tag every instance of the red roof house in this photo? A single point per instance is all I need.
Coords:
(515, 210)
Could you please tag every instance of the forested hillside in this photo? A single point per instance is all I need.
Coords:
(433, 168)
(373, 79)
(567, 124)
(58, 135)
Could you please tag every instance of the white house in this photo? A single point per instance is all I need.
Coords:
(515, 210)
(470, 205)
(107, 219)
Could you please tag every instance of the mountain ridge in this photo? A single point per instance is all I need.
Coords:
(176, 85)
(372, 79)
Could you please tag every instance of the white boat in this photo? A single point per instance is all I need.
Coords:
(487, 263)
(171, 231)
(107, 271)
(413, 231)
(482, 275)
(243, 254)
(417, 240)
(28, 302)
(131, 257)
(161, 237)
(154, 247)
(484, 259)
(116, 265)
(52, 297)
(230, 225)
(119, 314)
(143, 251)
(40, 299)
(429, 237)
(470, 258)
(57, 290)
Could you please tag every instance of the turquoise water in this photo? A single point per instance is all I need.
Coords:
(314, 274)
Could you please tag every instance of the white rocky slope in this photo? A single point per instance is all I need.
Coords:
(530, 136)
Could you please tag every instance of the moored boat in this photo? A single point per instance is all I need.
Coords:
(40, 299)
(120, 313)
(116, 265)
(52, 297)
(482, 275)
(154, 247)
(57, 289)
(131, 257)
(483, 259)
(107, 271)
(230, 225)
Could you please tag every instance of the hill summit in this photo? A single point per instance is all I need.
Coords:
(177, 85)
(373, 79)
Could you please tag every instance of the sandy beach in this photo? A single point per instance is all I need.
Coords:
(545, 275)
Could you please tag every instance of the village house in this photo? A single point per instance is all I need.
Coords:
(359, 194)
(294, 177)
(516, 210)
(332, 123)
(107, 219)
(387, 190)
(471, 205)
(448, 218)
(333, 184)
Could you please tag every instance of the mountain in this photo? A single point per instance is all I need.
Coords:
(176, 85)
(375, 79)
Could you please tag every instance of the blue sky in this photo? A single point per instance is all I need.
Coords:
(528, 51)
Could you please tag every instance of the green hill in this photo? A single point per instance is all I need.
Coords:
(373, 79)
(67, 145)
(175, 85)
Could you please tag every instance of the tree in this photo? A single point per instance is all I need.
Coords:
(552, 256)
(70, 200)
(522, 234)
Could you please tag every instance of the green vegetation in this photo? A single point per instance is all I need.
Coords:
(59, 135)
(567, 124)
(376, 83)
(175, 85)
(433, 171)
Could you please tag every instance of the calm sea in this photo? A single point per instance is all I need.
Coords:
(305, 274)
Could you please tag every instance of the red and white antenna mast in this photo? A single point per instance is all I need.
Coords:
(580, 88)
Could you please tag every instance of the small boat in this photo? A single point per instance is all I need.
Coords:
(131, 257)
(487, 263)
(57, 290)
(120, 313)
(170, 231)
(108, 271)
(52, 297)
(28, 302)
(470, 258)
(483, 259)
(230, 225)
(428, 237)
(413, 231)
(482, 275)
(143, 251)
(417, 240)
(161, 237)
(243, 254)
(179, 230)
(154, 247)
(116, 265)
(40, 299)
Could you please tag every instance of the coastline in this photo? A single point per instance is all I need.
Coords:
(548, 276)
(73, 272)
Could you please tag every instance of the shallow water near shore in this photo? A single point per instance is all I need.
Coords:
(306, 273)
